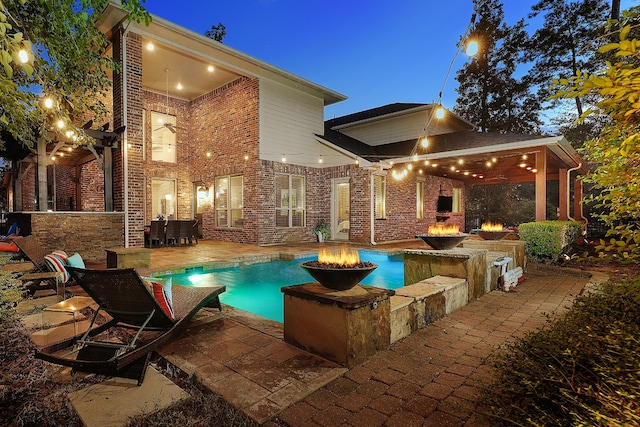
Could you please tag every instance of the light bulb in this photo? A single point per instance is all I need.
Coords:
(425, 142)
(440, 113)
(472, 48)
(23, 55)
(48, 103)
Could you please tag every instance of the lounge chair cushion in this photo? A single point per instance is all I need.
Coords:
(56, 262)
(160, 288)
(75, 260)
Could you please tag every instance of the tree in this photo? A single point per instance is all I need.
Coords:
(217, 32)
(53, 50)
(488, 93)
(616, 152)
(563, 44)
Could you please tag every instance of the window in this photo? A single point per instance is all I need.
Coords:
(229, 201)
(380, 189)
(163, 198)
(163, 137)
(290, 205)
(457, 200)
(420, 199)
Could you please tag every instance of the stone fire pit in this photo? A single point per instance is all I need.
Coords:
(443, 242)
(494, 235)
(337, 277)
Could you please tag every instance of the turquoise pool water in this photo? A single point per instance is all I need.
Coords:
(256, 287)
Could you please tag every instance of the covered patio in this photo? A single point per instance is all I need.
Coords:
(490, 158)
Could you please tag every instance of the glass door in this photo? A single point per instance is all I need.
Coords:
(341, 206)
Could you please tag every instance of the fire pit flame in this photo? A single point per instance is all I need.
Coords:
(345, 257)
(443, 230)
(338, 270)
(443, 237)
(489, 226)
(493, 231)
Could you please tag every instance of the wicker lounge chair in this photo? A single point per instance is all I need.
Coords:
(122, 294)
(40, 277)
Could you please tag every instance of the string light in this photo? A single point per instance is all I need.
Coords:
(23, 55)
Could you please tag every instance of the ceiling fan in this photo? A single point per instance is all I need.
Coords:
(167, 124)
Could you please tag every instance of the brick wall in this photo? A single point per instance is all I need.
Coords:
(218, 135)
(224, 141)
(92, 188)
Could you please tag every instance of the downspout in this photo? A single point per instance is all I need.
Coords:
(569, 192)
(372, 212)
(125, 141)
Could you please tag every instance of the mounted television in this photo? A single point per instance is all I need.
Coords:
(445, 204)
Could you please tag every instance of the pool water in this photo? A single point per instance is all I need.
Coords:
(256, 287)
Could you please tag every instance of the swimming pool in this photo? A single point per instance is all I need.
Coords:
(256, 287)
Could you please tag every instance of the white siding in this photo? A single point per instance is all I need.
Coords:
(289, 121)
(401, 128)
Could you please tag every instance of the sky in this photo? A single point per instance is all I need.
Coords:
(375, 52)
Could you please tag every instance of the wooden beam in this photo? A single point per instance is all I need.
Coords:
(563, 190)
(42, 175)
(541, 185)
(108, 179)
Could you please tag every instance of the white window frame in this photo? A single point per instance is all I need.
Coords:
(229, 201)
(164, 198)
(163, 141)
(289, 204)
(457, 200)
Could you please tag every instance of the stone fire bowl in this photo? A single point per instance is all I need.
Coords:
(445, 242)
(494, 235)
(338, 279)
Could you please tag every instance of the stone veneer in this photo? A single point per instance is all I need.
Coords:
(469, 264)
(87, 233)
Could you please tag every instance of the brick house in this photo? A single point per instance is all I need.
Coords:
(207, 131)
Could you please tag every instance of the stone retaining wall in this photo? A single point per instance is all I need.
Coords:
(88, 233)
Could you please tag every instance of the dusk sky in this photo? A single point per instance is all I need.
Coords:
(375, 52)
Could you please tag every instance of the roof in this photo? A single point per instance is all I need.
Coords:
(377, 113)
(187, 55)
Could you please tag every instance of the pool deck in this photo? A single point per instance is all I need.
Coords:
(429, 378)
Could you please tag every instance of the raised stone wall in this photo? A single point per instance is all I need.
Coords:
(88, 233)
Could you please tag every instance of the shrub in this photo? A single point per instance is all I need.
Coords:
(547, 240)
(582, 369)
(622, 244)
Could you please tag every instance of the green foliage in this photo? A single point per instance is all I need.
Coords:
(547, 240)
(323, 227)
(581, 370)
(565, 42)
(615, 152)
(11, 293)
(65, 61)
(623, 244)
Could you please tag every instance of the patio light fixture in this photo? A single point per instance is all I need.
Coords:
(471, 48)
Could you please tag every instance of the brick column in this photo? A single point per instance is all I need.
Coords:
(127, 160)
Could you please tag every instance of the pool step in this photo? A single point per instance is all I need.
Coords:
(415, 306)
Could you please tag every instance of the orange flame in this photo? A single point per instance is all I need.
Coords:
(443, 230)
(489, 226)
(345, 257)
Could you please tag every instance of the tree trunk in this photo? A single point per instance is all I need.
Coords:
(615, 9)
